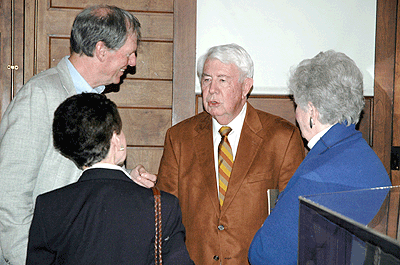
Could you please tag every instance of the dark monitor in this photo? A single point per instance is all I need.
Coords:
(352, 227)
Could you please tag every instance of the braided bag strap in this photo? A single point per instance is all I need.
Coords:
(158, 236)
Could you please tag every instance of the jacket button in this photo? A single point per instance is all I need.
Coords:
(221, 227)
(216, 258)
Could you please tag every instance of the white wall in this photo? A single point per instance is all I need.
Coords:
(279, 34)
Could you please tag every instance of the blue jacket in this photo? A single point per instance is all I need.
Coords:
(340, 161)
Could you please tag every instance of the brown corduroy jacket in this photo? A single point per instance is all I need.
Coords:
(270, 150)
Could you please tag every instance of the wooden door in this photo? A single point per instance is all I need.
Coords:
(395, 174)
(5, 54)
(11, 50)
(158, 94)
(386, 121)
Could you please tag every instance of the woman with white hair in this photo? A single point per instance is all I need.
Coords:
(328, 91)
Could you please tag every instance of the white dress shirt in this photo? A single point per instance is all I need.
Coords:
(233, 137)
(108, 166)
(316, 137)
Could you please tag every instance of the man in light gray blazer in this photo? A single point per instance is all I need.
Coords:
(29, 164)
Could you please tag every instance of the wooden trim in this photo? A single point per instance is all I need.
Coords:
(283, 106)
(30, 39)
(395, 174)
(184, 61)
(5, 55)
(385, 50)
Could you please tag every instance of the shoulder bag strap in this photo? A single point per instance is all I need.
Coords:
(158, 236)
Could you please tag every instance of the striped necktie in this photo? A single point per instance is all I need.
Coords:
(225, 162)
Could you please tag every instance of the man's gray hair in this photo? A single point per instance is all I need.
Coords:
(228, 54)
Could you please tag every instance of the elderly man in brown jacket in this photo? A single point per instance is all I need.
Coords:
(221, 216)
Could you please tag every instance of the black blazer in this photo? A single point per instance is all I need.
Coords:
(104, 218)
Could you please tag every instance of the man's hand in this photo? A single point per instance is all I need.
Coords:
(140, 175)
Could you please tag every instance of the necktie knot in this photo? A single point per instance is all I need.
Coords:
(225, 130)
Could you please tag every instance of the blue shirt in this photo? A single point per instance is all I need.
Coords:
(80, 83)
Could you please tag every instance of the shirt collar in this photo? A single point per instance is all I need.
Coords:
(80, 83)
(316, 137)
(108, 166)
(236, 124)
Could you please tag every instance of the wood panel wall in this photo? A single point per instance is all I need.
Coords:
(145, 98)
(283, 106)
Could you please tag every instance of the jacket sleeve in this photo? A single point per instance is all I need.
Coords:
(276, 241)
(169, 165)
(294, 155)
(173, 247)
(25, 135)
(38, 250)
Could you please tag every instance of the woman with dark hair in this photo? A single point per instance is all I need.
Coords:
(105, 217)
(328, 91)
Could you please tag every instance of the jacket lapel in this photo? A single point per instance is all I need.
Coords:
(66, 78)
(335, 135)
(248, 147)
(203, 144)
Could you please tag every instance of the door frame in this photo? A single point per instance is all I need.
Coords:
(184, 61)
(386, 118)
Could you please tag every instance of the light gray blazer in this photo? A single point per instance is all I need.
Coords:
(29, 164)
